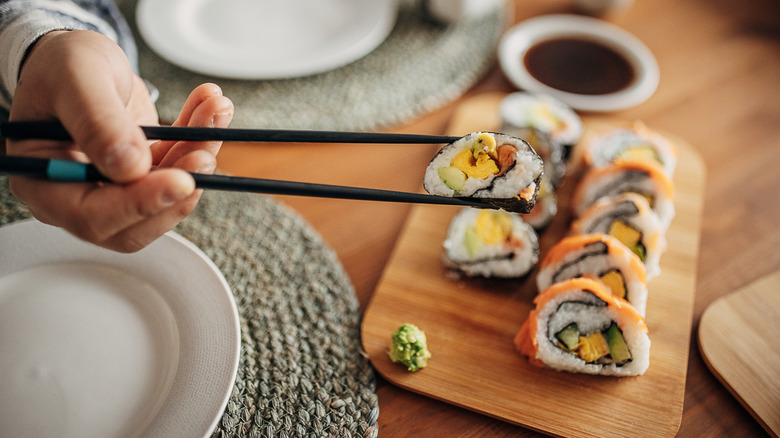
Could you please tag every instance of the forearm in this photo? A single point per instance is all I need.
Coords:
(22, 23)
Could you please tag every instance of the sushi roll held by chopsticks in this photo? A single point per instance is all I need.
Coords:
(500, 170)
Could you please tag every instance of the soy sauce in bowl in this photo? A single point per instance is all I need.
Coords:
(578, 65)
(587, 63)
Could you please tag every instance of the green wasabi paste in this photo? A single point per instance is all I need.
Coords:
(409, 347)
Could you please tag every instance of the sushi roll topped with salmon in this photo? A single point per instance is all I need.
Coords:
(577, 326)
(500, 170)
(628, 218)
(644, 179)
(637, 143)
(599, 257)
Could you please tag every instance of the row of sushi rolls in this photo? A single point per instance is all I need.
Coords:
(589, 314)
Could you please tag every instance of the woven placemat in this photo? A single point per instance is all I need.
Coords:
(302, 371)
(421, 66)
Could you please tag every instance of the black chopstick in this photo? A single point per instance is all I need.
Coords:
(41, 130)
(72, 171)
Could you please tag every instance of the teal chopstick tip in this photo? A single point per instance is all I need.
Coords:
(61, 170)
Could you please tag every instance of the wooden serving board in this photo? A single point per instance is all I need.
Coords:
(738, 338)
(470, 323)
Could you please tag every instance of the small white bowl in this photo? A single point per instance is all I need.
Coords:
(523, 36)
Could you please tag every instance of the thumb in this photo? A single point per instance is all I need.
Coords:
(92, 107)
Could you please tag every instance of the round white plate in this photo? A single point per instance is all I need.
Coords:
(264, 39)
(100, 344)
(524, 35)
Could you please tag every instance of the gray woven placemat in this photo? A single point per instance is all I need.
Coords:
(302, 371)
(418, 68)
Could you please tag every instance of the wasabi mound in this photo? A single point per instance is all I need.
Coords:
(409, 347)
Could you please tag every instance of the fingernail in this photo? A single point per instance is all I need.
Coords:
(208, 168)
(221, 119)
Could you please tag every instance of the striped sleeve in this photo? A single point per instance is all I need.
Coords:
(22, 22)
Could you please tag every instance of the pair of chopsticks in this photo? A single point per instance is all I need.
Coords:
(71, 171)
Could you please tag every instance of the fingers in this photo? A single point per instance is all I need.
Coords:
(127, 217)
(200, 94)
(207, 107)
(84, 80)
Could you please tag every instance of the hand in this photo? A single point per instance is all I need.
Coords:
(85, 81)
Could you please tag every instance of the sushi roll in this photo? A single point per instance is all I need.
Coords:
(638, 143)
(490, 243)
(551, 152)
(500, 170)
(628, 218)
(599, 257)
(578, 327)
(544, 113)
(635, 177)
(545, 208)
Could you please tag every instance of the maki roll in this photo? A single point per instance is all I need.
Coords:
(545, 208)
(578, 327)
(629, 219)
(546, 205)
(500, 170)
(551, 152)
(599, 257)
(637, 143)
(490, 243)
(544, 113)
(636, 177)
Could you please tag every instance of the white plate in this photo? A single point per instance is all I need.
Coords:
(264, 39)
(100, 344)
(521, 37)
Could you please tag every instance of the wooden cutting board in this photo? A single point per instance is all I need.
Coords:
(739, 338)
(470, 323)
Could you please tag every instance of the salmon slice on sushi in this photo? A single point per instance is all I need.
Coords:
(497, 169)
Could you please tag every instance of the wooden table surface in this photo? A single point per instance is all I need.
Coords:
(719, 90)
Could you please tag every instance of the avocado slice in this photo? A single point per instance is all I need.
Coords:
(618, 349)
(569, 336)
(453, 178)
(640, 251)
(473, 241)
